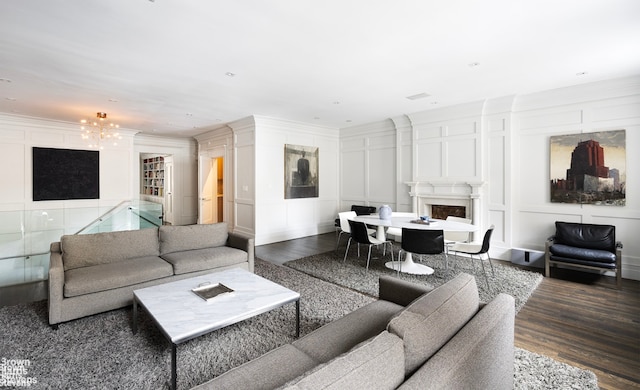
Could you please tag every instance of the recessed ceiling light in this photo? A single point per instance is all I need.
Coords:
(11, 99)
(189, 114)
(112, 100)
(474, 64)
(418, 96)
(230, 74)
(581, 73)
(349, 121)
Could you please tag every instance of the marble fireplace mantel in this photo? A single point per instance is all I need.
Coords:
(424, 194)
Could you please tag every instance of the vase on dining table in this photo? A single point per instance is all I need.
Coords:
(385, 212)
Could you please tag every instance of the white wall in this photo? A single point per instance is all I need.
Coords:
(371, 166)
(261, 208)
(119, 181)
(28, 227)
(244, 178)
(611, 105)
(17, 137)
(502, 143)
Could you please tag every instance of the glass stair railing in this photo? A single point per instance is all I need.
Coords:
(25, 235)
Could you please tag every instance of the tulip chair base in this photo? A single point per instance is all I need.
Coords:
(409, 267)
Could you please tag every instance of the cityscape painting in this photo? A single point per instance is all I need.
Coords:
(588, 168)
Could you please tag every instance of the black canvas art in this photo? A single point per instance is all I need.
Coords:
(61, 174)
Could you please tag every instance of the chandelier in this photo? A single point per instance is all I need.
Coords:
(99, 131)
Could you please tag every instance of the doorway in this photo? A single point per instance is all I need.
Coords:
(211, 206)
(168, 191)
(157, 182)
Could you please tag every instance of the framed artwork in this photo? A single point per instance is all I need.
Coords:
(588, 168)
(300, 171)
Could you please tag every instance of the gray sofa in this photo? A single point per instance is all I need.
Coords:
(411, 338)
(93, 273)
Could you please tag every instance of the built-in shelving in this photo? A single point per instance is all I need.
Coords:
(153, 176)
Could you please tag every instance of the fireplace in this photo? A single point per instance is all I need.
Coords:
(439, 211)
(441, 199)
(439, 207)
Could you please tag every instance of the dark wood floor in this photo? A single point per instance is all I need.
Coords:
(573, 317)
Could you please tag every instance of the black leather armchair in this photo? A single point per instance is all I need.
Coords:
(585, 246)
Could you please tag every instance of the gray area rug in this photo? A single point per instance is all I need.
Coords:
(352, 273)
(100, 352)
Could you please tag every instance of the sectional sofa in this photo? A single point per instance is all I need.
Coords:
(411, 338)
(93, 273)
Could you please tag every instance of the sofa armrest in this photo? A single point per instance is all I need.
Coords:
(56, 284)
(400, 291)
(245, 243)
(479, 356)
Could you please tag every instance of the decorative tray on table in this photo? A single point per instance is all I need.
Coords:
(210, 291)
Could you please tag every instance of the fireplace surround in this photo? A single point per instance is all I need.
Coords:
(426, 194)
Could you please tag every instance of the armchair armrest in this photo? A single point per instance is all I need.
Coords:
(245, 243)
(400, 291)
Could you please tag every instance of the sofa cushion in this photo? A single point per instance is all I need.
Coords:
(83, 250)
(589, 236)
(266, 372)
(339, 336)
(183, 238)
(595, 255)
(203, 259)
(102, 277)
(431, 320)
(377, 363)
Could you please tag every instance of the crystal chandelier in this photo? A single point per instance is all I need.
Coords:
(99, 131)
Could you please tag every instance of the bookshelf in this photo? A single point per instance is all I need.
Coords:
(153, 176)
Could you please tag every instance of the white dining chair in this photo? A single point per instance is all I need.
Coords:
(451, 237)
(397, 232)
(344, 225)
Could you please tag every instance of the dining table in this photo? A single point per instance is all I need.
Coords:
(408, 265)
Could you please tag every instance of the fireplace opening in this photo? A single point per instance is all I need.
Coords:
(443, 211)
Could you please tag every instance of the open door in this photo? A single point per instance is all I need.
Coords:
(207, 205)
(211, 182)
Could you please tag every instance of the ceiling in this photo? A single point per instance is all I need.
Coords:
(183, 67)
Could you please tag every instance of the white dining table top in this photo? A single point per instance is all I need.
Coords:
(405, 222)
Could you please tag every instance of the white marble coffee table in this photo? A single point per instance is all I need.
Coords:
(181, 315)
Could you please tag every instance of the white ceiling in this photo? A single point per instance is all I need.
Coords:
(161, 66)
